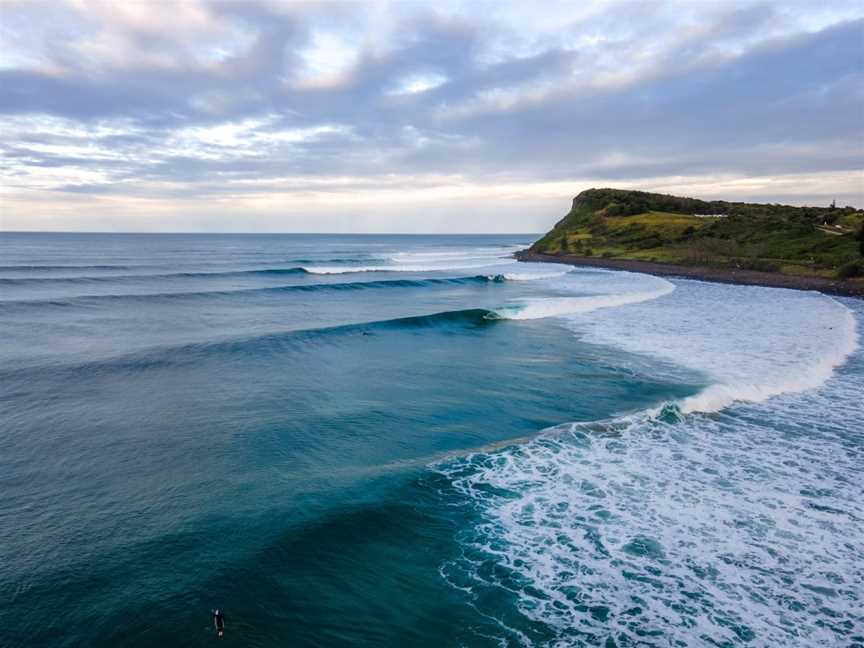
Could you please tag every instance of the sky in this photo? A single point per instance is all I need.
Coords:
(274, 116)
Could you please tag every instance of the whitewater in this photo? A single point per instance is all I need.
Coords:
(732, 516)
(418, 441)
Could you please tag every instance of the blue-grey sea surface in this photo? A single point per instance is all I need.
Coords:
(416, 441)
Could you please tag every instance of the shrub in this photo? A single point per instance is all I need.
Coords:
(649, 242)
(851, 269)
(598, 226)
(563, 244)
(614, 209)
(708, 248)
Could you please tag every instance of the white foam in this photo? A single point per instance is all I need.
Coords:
(686, 530)
(426, 260)
(456, 265)
(742, 526)
(751, 343)
(798, 379)
(559, 306)
(533, 276)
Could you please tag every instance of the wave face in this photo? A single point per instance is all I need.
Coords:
(247, 293)
(118, 278)
(724, 517)
(557, 456)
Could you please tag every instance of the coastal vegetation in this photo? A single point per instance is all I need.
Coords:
(620, 224)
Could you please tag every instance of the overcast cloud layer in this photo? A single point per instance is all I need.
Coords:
(244, 116)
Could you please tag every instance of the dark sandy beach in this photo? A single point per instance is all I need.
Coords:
(845, 288)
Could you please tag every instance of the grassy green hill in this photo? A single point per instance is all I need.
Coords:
(614, 223)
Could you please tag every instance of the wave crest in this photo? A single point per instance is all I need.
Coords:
(719, 396)
(92, 300)
(558, 306)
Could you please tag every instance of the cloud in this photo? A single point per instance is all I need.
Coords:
(252, 99)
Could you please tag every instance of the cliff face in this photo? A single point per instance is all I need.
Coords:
(615, 223)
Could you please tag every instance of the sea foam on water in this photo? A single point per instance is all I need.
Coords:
(738, 520)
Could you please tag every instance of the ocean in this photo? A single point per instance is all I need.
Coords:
(416, 441)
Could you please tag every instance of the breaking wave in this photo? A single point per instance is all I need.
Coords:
(95, 300)
(803, 378)
(261, 344)
(532, 276)
(466, 265)
(728, 517)
(557, 306)
(751, 343)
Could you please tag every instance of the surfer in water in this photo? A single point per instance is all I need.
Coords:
(219, 622)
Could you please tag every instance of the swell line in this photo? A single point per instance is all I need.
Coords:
(95, 300)
(82, 267)
(41, 268)
(185, 354)
(87, 279)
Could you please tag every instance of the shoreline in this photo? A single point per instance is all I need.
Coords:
(705, 273)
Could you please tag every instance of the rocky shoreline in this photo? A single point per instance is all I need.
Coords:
(843, 288)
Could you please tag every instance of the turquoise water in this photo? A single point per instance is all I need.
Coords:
(415, 441)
